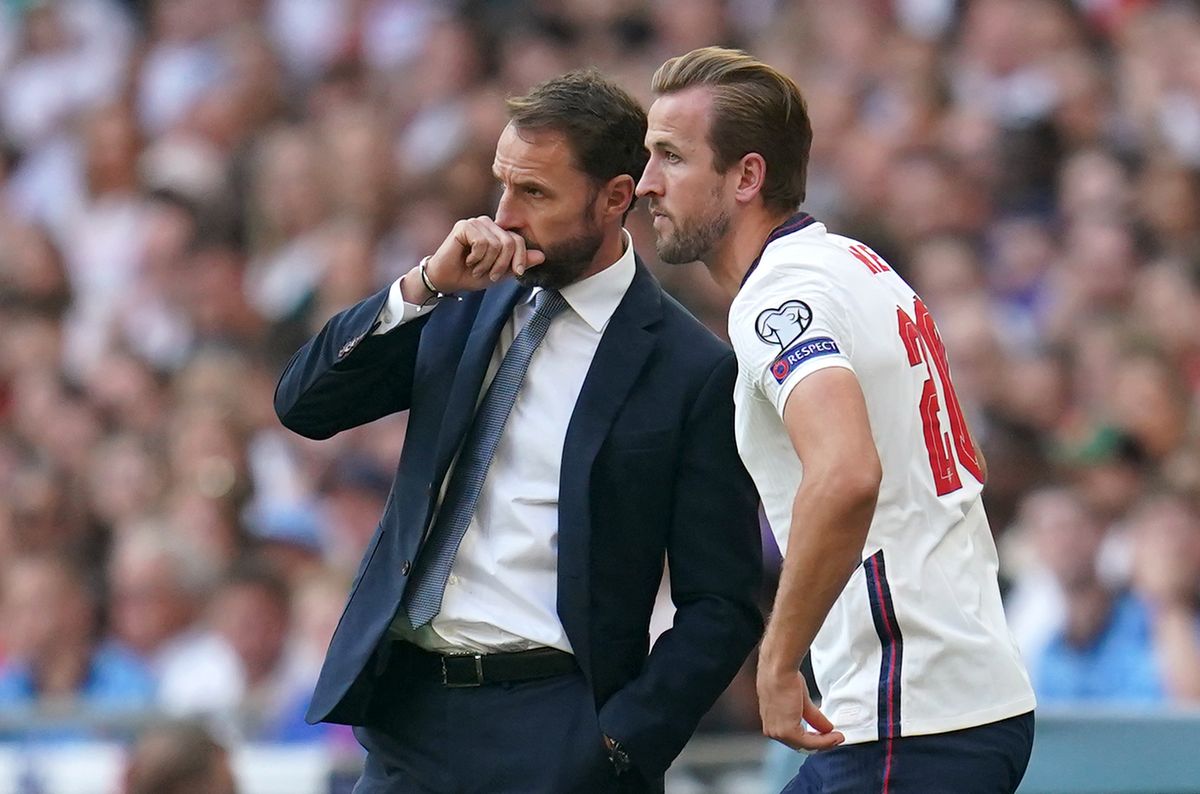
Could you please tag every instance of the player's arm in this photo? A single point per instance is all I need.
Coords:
(826, 419)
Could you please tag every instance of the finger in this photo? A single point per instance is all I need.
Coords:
(519, 252)
(454, 249)
(482, 246)
(464, 234)
(474, 242)
(533, 258)
(815, 742)
(459, 232)
(477, 238)
(799, 738)
(504, 259)
(813, 716)
(491, 256)
(499, 261)
(483, 254)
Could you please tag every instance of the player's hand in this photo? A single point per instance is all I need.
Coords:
(784, 706)
(476, 254)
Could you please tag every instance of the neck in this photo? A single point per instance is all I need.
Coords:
(730, 262)
(611, 249)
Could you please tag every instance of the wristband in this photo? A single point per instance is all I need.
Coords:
(421, 270)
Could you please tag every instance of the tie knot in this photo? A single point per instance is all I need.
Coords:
(548, 302)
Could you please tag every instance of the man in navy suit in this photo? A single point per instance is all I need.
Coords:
(570, 428)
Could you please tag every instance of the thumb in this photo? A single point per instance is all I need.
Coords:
(534, 257)
(813, 716)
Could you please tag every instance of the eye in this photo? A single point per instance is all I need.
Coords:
(534, 192)
(672, 157)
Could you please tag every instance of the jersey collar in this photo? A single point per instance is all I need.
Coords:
(793, 224)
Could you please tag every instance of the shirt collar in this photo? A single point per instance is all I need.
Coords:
(596, 297)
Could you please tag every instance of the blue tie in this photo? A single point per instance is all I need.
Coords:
(423, 596)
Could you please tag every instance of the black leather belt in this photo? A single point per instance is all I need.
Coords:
(480, 669)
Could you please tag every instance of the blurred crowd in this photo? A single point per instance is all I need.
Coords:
(189, 188)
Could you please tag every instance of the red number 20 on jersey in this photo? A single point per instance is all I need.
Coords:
(924, 346)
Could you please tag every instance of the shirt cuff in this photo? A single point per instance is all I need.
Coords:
(397, 311)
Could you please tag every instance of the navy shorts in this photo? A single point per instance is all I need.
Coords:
(988, 759)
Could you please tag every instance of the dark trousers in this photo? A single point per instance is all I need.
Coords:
(528, 737)
(988, 759)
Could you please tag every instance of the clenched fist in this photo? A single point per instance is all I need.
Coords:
(476, 254)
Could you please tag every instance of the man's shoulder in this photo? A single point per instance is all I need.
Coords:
(679, 327)
(674, 323)
(801, 256)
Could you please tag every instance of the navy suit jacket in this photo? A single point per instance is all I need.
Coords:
(649, 471)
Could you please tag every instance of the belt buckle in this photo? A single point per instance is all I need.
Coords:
(478, 657)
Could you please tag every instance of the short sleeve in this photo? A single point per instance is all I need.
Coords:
(785, 326)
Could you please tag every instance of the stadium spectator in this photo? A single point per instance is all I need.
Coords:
(251, 612)
(1166, 573)
(178, 758)
(1032, 166)
(157, 588)
(1103, 649)
(57, 659)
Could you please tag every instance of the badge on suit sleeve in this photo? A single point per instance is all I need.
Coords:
(349, 346)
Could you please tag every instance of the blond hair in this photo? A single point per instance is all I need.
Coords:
(756, 108)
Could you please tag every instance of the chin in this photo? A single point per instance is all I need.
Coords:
(670, 255)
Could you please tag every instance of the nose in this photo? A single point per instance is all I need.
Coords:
(651, 182)
(507, 216)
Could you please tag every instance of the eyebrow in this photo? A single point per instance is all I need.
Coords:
(522, 181)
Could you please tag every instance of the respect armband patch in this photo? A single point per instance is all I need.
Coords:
(799, 353)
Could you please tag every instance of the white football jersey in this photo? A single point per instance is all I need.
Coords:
(917, 642)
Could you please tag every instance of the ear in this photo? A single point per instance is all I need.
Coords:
(616, 196)
(751, 173)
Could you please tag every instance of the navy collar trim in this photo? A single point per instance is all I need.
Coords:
(795, 223)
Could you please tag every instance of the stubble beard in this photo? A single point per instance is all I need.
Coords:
(693, 242)
(566, 261)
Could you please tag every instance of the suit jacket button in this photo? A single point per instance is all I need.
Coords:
(405, 568)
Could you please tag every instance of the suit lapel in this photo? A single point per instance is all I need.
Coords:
(494, 311)
(623, 351)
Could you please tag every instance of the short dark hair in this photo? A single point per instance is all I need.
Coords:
(173, 757)
(261, 574)
(756, 108)
(604, 126)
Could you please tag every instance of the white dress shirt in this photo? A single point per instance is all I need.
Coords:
(503, 588)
